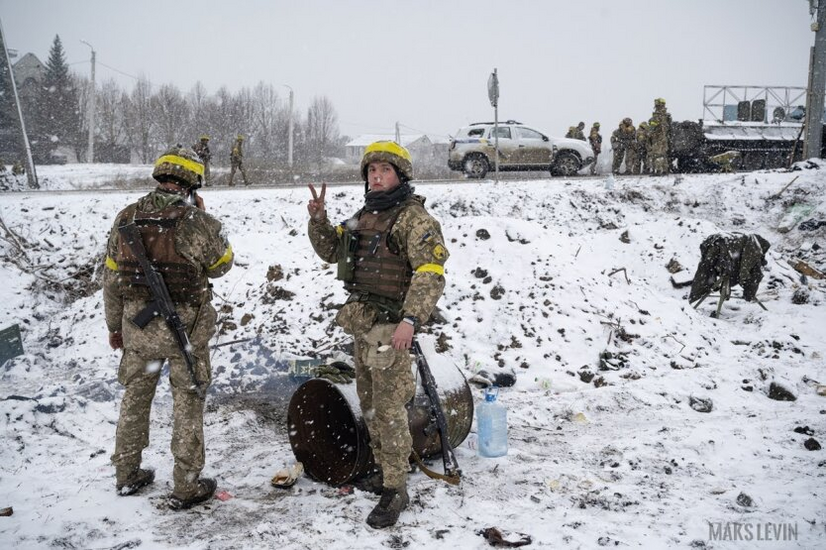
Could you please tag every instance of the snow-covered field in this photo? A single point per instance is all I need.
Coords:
(597, 457)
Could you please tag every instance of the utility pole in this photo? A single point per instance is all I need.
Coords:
(31, 175)
(813, 141)
(398, 134)
(90, 152)
(493, 95)
(290, 131)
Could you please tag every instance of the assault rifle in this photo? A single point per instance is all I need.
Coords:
(452, 473)
(162, 304)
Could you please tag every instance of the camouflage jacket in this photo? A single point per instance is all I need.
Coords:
(202, 150)
(624, 135)
(596, 141)
(418, 237)
(199, 239)
(732, 258)
(237, 153)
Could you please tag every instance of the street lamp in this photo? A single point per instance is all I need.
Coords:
(290, 130)
(90, 154)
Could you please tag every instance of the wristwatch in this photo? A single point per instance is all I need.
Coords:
(411, 320)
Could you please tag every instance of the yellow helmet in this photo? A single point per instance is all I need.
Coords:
(388, 151)
(180, 165)
(239, 137)
(204, 137)
(659, 101)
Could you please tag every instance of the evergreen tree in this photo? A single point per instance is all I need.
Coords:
(59, 117)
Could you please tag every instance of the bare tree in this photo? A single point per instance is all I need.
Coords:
(171, 114)
(265, 110)
(322, 129)
(138, 118)
(110, 103)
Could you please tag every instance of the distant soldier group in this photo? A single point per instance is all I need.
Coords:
(644, 149)
(236, 158)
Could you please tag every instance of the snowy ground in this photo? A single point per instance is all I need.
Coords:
(597, 457)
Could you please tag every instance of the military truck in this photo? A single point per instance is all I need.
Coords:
(764, 124)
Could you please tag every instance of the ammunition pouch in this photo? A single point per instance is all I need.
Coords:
(387, 310)
(347, 262)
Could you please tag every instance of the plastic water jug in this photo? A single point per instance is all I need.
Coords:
(492, 425)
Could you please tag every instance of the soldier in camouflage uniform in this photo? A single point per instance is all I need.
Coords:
(576, 132)
(236, 160)
(595, 139)
(391, 257)
(187, 246)
(621, 140)
(660, 138)
(202, 150)
(641, 160)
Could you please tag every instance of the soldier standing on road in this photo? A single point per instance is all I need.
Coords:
(621, 140)
(660, 140)
(642, 164)
(391, 257)
(236, 160)
(188, 247)
(595, 140)
(202, 150)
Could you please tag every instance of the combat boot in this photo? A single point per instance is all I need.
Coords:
(136, 481)
(372, 482)
(206, 488)
(390, 506)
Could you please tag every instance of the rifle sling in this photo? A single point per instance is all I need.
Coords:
(452, 479)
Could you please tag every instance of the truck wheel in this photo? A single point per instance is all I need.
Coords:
(476, 166)
(566, 164)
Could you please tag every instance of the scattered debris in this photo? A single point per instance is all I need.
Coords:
(482, 234)
(805, 430)
(673, 266)
(700, 404)
(745, 500)
(811, 444)
(800, 296)
(623, 272)
(780, 393)
(275, 273)
(496, 538)
(802, 267)
(625, 237)
(6, 511)
(286, 477)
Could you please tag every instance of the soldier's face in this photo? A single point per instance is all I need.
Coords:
(381, 176)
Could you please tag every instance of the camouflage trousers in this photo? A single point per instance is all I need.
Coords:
(207, 180)
(140, 369)
(594, 164)
(237, 166)
(619, 156)
(659, 157)
(632, 160)
(385, 383)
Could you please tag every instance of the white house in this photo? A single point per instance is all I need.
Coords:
(419, 145)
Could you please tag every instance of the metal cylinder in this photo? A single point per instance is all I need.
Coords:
(329, 436)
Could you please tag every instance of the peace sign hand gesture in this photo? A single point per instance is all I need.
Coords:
(316, 205)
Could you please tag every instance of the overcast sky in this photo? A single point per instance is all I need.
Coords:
(426, 63)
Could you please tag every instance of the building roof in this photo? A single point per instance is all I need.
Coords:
(406, 139)
(28, 66)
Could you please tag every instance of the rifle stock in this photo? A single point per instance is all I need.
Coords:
(162, 305)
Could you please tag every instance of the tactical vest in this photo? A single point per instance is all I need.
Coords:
(378, 269)
(184, 281)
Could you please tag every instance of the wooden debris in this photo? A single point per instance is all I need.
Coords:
(802, 267)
